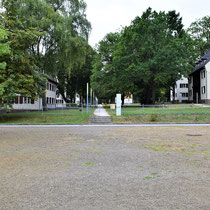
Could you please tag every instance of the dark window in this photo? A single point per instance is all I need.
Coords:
(184, 94)
(21, 99)
(16, 99)
(183, 85)
(203, 90)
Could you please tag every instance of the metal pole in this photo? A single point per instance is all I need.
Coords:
(87, 99)
(91, 97)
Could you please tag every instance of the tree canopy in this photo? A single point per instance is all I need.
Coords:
(46, 37)
(200, 32)
(153, 52)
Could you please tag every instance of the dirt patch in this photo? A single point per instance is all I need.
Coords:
(105, 168)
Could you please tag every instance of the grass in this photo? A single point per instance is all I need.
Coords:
(72, 116)
(171, 114)
(89, 163)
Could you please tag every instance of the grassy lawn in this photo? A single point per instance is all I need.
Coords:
(170, 114)
(72, 116)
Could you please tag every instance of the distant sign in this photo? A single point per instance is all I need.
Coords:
(118, 105)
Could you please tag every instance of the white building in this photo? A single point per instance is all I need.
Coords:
(199, 83)
(181, 91)
(25, 103)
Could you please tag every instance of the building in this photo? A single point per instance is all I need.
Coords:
(180, 91)
(27, 104)
(128, 99)
(199, 82)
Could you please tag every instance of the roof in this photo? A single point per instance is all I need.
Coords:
(50, 79)
(202, 62)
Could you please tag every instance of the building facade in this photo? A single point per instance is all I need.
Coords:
(199, 82)
(180, 93)
(27, 104)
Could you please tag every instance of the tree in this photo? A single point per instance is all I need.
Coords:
(20, 75)
(103, 79)
(65, 42)
(76, 82)
(156, 50)
(200, 32)
(55, 34)
(4, 46)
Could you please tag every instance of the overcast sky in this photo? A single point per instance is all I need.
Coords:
(110, 15)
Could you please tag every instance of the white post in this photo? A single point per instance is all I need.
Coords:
(118, 105)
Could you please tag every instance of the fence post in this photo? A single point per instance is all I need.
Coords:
(162, 108)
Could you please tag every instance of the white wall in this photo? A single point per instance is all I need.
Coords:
(208, 80)
(179, 91)
(203, 84)
(36, 106)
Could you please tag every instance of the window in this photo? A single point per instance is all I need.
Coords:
(183, 85)
(21, 99)
(16, 99)
(185, 95)
(203, 75)
(203, 90)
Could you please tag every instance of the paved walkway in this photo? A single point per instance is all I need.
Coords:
(100, 111)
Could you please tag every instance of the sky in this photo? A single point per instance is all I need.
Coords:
(111, 15)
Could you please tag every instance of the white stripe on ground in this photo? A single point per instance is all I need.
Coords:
(104, 125)
(100, 111)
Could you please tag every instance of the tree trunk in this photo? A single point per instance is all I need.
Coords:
(173, 92)
(153, 93)
(123, 99)
(148, 95)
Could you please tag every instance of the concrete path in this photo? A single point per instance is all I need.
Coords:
(100, 116)
(100, 111)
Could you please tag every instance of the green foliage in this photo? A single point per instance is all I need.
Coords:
(200, 32)
(45, 36)
(105, 72)
(156, 50)
(20, 75)
(150, 54)
(4, 47)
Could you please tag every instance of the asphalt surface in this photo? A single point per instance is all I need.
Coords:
(104, 168)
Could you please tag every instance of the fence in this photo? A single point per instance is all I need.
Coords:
(166, 109)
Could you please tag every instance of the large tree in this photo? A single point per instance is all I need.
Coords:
(150, 54)
(20, 75)
(57, 34)
(156, 50)
(200, 32)
(103, 78)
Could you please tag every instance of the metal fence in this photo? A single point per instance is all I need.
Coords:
(67, 109)
(165, 109)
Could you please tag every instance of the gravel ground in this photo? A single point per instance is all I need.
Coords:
(105, 168)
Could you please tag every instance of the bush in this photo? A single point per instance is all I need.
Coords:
(153, 118)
